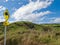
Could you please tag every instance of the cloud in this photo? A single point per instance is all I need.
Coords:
(53, 20)
(14, 9)
(33, 17)
(1, 19)
(56, 20)
(6, 0)
(25, 12)
(2, 8)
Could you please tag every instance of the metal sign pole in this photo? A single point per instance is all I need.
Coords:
(5, 35)
(6, 23)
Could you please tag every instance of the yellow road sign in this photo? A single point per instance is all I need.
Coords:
(6, 23)
(6, 16)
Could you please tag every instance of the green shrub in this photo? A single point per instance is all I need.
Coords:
(45, 40)
(47, 28)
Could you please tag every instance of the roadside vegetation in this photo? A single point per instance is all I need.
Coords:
(27, 33)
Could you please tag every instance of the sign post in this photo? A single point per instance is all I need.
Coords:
(6, 23)
(5, 35)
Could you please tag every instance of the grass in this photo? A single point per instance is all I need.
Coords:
(27, 33)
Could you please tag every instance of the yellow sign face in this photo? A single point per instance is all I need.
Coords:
(6, 16)
(6, 23)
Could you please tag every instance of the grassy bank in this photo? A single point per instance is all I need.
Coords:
(27, 33)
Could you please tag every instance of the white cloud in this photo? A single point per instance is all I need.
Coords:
(14, 9)
(33, 17)
(1, 19)
(2, 8)
(30, 0)
(25, 12)
(56, 20)
(6, 0)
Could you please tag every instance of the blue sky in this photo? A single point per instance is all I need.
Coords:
(36, 11)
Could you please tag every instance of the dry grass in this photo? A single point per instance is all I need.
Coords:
(31, 34)
(30, 37)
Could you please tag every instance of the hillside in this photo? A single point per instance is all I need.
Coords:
(27, 33)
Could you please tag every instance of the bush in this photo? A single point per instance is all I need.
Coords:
(45, 40)
(47, 28)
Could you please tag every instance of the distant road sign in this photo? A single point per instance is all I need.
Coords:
(6, 16)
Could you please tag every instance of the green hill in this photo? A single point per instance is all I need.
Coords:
(27, 33)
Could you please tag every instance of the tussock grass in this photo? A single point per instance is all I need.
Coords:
(27, 33)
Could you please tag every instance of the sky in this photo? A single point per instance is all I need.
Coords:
(36, 11)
